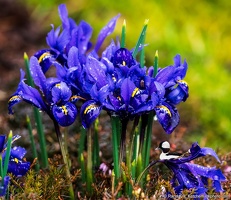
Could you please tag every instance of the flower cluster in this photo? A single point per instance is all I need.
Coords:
(16, 165)
(114, 82)
(188, 175)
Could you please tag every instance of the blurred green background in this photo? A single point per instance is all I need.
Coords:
(200, 31)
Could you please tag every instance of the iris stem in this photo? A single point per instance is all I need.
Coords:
(123, 35)
(115, 121)
(42, 140)
(83, 170)
(139, 166)
(33, 146)
(89, 180)
(82, 142)
(143, 126)
(141, 39)
(80, 154)
(96, 161)
(148, 138)
(142, 53)
(38, 119)
(155, 64)
(123, 140)
(64, 152)
(7, 155)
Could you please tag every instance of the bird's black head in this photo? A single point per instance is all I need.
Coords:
(164, 146)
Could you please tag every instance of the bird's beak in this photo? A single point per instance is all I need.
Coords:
(157, 148)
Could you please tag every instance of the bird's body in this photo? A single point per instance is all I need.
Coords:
(170, 155)
(166, 154)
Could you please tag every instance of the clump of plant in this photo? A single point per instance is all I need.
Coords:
(118, 82)
(51, 183)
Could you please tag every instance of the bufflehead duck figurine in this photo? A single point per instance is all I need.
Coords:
(165, 151)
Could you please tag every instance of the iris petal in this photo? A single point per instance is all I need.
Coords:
(109, 51)
(107, 30)
(210, 151)
(181, 69)
(18, 152)
(2, 142)
(178, 94)
(127, 90)
(89, 112)
(37, 74)
(63, 13)
(84, 35)
(45, 58)
(4, 185)
(165, 76)
(168, 117)
(65, 114)
(61, 92)
(27, 94)
(95, 71)
(12, 101)
(73, 60)
(18, 168)
(123, 57)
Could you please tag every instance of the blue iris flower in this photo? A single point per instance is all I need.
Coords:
(69, 35)
(121, 87)
(17, 165)
(187, 175)
(55, 96)
(176, 91)
(4, 186)
(172, 79)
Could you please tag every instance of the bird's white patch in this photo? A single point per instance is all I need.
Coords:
(166, 156)
(165, 145)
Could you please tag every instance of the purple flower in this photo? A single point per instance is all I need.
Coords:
(17, 165)
(69, 35)
(187, 175)
(172, 79)
(55, 97)
(168, 116)
(176, 91)
(120, 86)
(4, 185)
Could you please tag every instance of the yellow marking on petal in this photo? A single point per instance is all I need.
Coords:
(166, 109)
(44, 55)
(64, 110)
(88, 109)
(124, 63)
(135, 92)
(58, 85)
(182, 81)
(16, 160)
(74, 97)
(14, 98)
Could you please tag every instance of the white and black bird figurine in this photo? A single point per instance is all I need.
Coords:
(165, 151)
